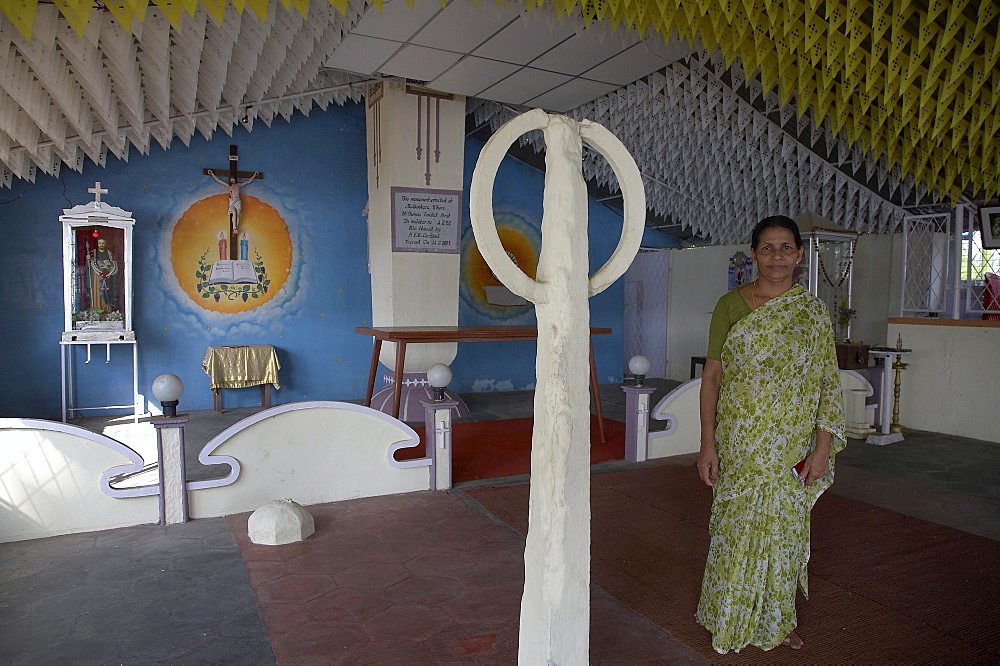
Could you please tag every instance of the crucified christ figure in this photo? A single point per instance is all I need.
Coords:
(235, 204)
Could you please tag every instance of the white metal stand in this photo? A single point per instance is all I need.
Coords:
(66, 363)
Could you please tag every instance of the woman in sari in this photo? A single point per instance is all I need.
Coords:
(770, 398)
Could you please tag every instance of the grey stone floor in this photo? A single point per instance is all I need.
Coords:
(135, 595)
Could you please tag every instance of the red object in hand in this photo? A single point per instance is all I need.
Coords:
(797, 470)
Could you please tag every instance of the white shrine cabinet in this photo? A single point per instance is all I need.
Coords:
(827, 269)
(97, 291)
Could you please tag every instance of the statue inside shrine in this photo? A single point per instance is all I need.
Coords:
(103, 283)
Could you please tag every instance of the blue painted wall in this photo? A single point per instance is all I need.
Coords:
(315, 176)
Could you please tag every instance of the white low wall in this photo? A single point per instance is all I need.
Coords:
(54, 480)
(310, 452)
(953, 379)
(54, 477)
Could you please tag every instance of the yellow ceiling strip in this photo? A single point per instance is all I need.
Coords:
(259, 7)
(171, 11)
(988, 11)
(21, 14)
(216, 9)
(955, 19)
(927, 30)
(76, 13)
(302, 7)
(881, 20)
(815, 37)
(122, 11)
(914, 66)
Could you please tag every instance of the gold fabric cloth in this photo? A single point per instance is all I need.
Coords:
(241, 366)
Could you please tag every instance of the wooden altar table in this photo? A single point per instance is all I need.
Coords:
(241, 366)
(404, 335)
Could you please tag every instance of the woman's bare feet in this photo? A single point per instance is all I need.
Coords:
(793, 641)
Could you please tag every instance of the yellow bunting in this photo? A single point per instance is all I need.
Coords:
(955, 19)
(122, 11)
(171, 10)
(190, 6)
(881, 19)
(76, 13)
(302, 7)
(21, 14)
(259, 7)
(216, 9)
(991, 47)
(815, 35)
(341, 6)
(787, 82)
(940, 124)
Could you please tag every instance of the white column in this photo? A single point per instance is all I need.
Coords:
(412, 138)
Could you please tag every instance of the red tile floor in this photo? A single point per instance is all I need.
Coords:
(419, 578)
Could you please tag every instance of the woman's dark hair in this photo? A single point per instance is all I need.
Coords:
(782, 221)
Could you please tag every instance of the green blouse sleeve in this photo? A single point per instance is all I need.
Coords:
(730, 309)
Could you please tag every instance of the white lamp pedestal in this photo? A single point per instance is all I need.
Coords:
(437, 438)
(637, 422)
(172, 477)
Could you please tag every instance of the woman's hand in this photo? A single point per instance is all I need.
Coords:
(815, 467)
(817, 463)
(708, 465)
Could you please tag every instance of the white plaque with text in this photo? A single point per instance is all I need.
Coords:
(426, 220)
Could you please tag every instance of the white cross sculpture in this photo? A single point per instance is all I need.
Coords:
(555, 606)
(97, 191)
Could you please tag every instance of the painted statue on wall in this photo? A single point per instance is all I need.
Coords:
(235, 202)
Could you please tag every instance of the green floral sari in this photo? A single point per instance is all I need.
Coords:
(780, 384)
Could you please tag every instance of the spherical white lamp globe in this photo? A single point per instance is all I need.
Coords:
(638, 366)
(167, 388)
(439, 375)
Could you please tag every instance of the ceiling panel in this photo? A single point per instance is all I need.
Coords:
(471, 75)
(523, 85)
(360, 54)
(463, 26)
(524, 40)
(634, 63)
(571, 95)
(420, 63)
(578, 54)
(396, 20)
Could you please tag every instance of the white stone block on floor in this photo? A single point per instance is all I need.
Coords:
(280, 522)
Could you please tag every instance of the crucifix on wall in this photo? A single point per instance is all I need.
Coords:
(233, 185)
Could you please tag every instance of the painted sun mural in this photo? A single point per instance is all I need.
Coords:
(480, 289)
(201, 256)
